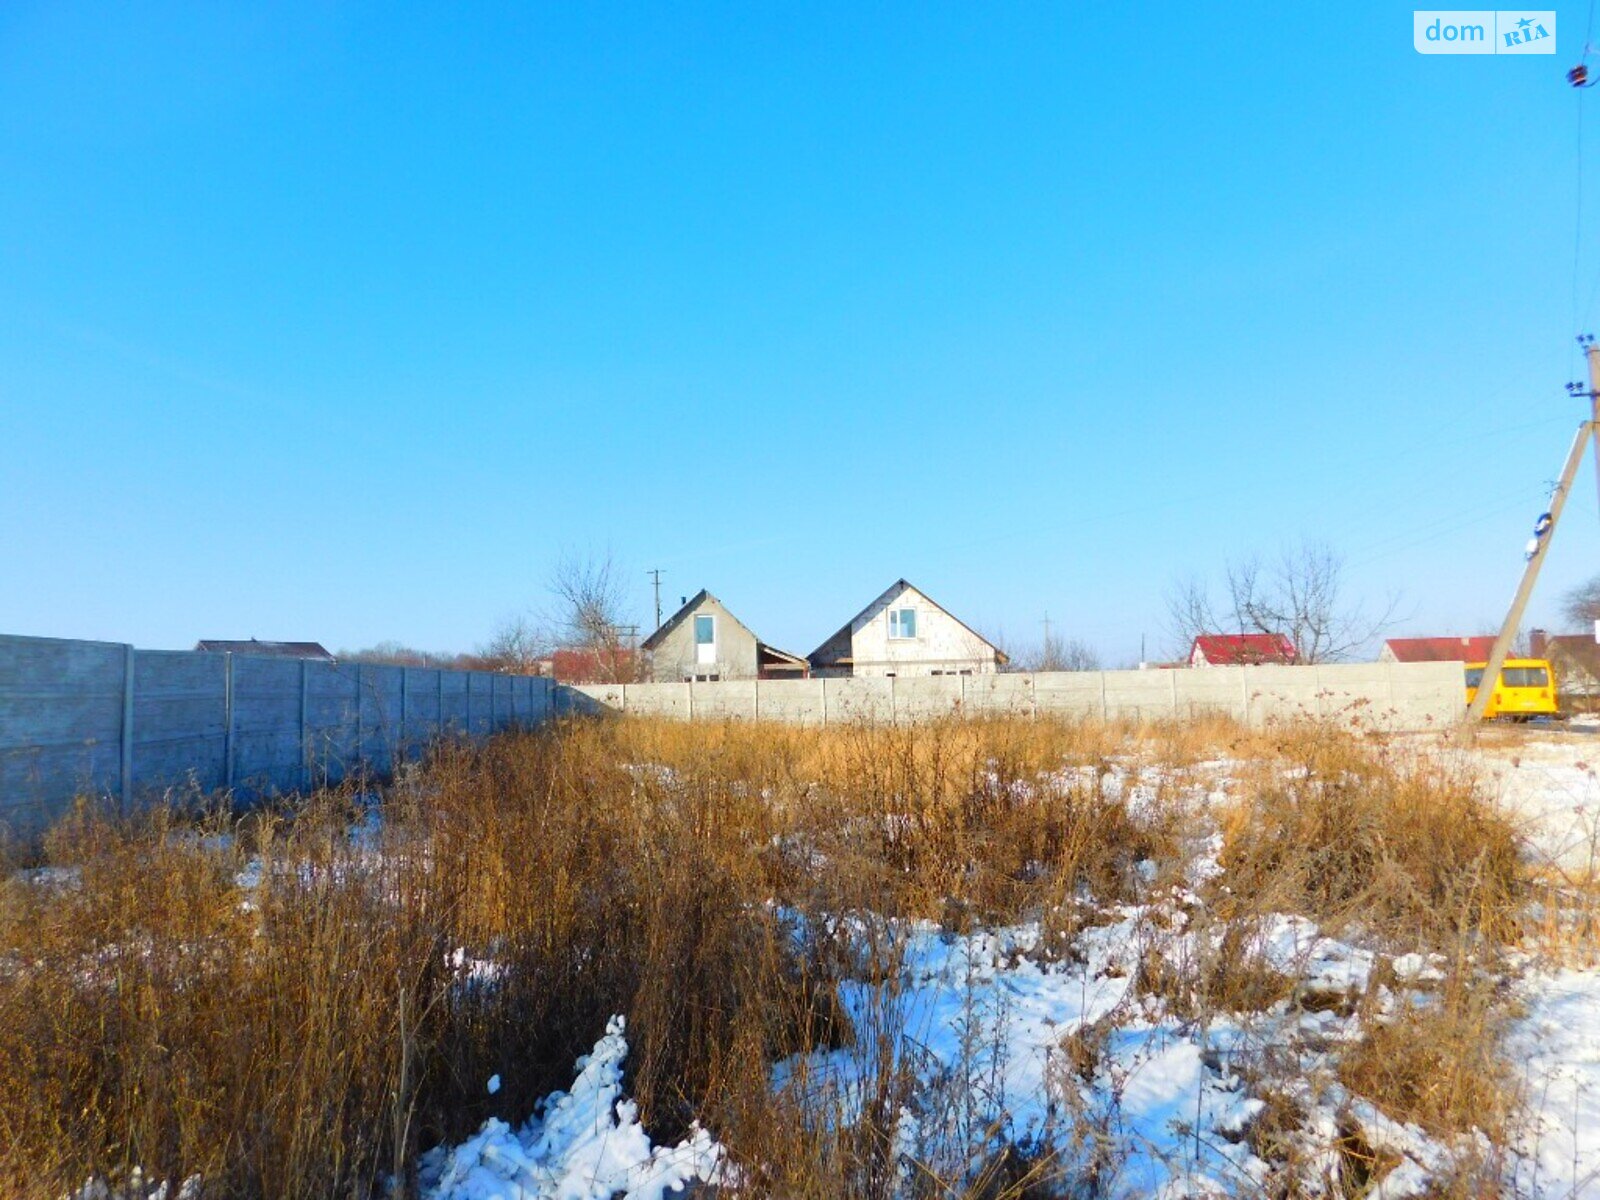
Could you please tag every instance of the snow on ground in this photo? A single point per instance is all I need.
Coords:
(1059, 1057)
(1557, 1043)
(587, 1144)
(1550, 788)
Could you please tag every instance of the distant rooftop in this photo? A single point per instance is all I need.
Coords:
(311, 650)
(1440, 649)
(1243, 649)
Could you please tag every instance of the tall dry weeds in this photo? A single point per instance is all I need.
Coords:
(285, 1007)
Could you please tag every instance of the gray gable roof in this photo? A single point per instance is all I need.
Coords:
(312, 650)
(678, 618)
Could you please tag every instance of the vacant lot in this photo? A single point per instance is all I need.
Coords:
(1006, 958)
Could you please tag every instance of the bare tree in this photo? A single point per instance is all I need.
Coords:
(1299, 595)
(516, 647)
(1581, 605)
(591, 614)
(1056, 653)
(397, 654)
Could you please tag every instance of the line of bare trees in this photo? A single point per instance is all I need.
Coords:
(1298, 594)
(586, 622)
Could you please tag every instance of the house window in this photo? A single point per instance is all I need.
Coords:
(705, 630)
(902, 623)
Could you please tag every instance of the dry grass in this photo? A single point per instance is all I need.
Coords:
(303, 1028)
(1393, 842)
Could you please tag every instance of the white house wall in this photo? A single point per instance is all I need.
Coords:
(942, 643)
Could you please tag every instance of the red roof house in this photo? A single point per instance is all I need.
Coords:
(1242, 650)
(1437, 649)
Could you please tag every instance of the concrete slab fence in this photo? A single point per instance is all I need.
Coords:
(1390, 697)
(100, 718)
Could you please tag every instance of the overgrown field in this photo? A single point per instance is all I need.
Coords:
(1001, 958)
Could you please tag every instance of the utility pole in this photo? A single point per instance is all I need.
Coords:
(1591, 352)
(1542, 533)
(655, 574)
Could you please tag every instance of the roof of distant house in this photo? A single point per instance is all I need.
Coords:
(312, 650)
(676, 619)
(1245, 649)
(1441, 649)
(1580, 648)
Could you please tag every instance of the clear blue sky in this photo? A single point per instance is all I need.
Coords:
(340, 321)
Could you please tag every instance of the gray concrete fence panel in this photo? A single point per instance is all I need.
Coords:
(1392, 697)
(103, 719)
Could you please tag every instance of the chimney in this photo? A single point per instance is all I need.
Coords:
(1538, 639)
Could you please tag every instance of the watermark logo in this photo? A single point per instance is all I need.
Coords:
(1483, 31)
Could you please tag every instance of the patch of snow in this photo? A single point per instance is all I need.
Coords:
(587, 1145)
(1557, 1046)
(1551, 790)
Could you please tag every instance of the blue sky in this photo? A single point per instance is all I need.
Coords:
(342, 321)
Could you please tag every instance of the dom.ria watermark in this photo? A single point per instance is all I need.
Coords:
(1484, 31)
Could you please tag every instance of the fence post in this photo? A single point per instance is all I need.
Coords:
(127, 729)
(305, 744)
(227, 717)
(361, 727)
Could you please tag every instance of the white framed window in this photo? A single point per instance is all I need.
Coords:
(705, 629)
(902, 624)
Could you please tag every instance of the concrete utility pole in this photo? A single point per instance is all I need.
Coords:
(1543, 532)
(655, 574)
(1592, 353)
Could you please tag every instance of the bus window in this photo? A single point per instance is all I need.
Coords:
(1525, 677)
(1475, 676)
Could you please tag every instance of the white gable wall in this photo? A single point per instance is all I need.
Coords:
(943, 644)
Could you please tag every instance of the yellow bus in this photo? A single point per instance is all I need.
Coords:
(1527, 688)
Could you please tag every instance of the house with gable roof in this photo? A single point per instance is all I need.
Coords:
(1242, 650)
(904, 632)
(703, 641)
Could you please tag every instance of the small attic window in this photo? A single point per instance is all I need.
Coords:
(902, 623)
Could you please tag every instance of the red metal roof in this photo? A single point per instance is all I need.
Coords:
(1244, 649)
(1441, 649)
